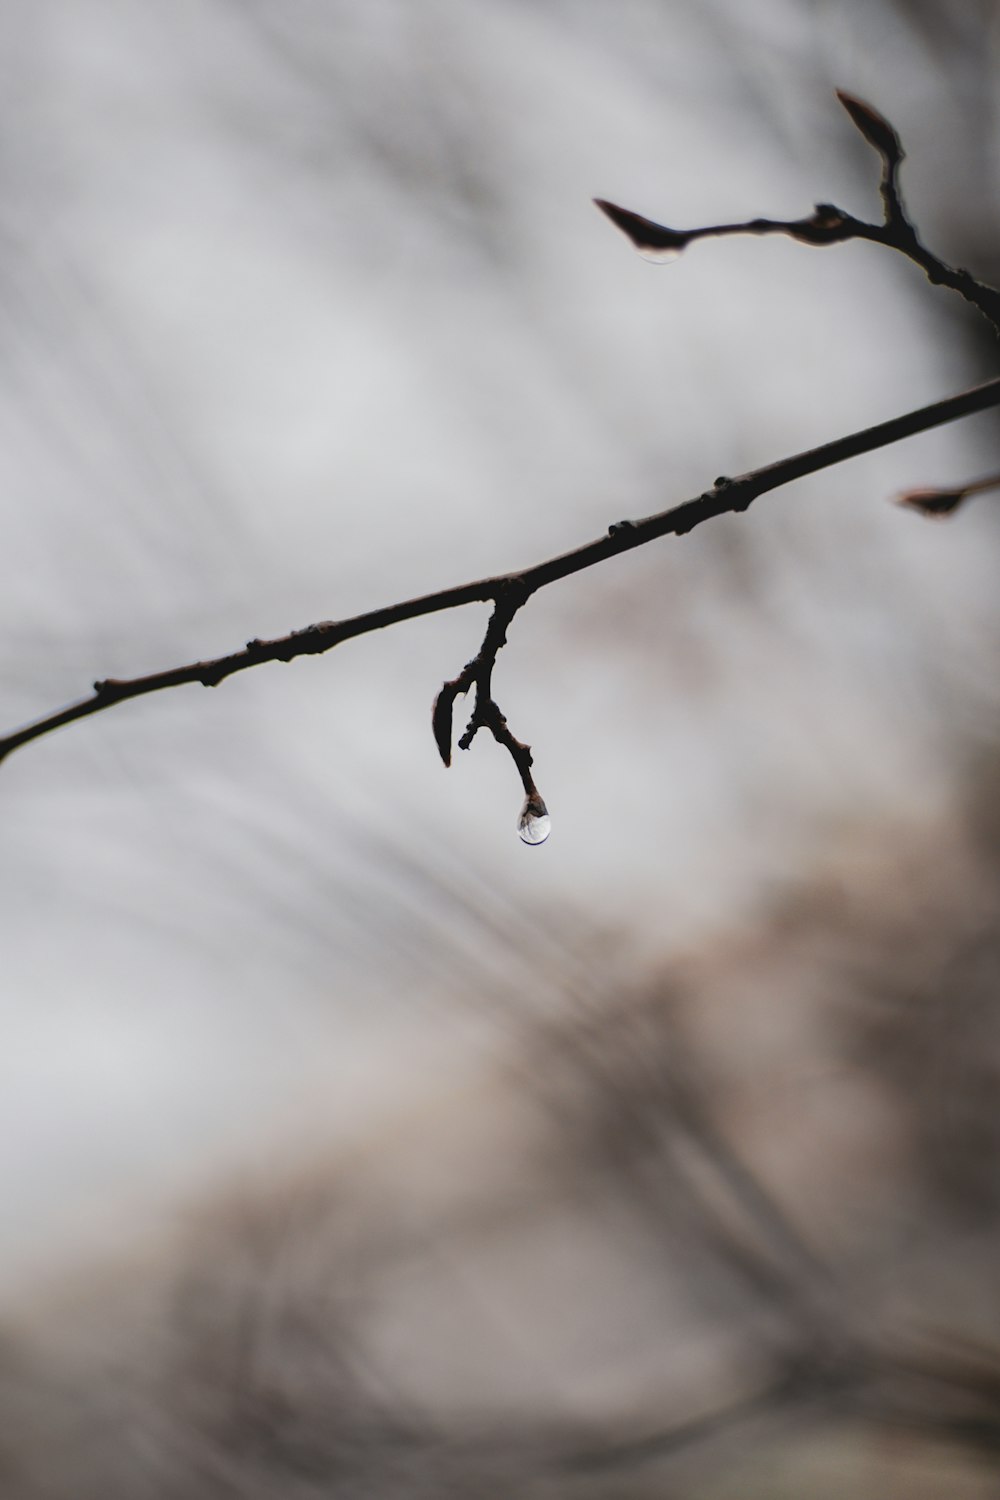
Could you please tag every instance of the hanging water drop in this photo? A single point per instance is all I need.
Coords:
(660, 255)
(534, 825)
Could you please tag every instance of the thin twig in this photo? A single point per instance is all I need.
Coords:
(628, 1453)
(726, 495)
(486, 713)
(828, 225)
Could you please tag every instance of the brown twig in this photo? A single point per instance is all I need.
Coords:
(828, 225)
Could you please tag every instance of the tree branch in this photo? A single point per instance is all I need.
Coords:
(510, 591)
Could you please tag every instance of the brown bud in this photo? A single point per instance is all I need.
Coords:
(649, 238)
(936, 503)
(827, 225)
(874, 127)
(441, 720)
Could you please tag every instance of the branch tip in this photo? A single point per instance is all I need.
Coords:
(509, 592)
(648, 237)
(873, 126)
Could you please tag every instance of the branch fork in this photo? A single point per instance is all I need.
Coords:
(828, 225)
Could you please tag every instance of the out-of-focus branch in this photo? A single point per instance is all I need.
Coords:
(944, 502)
(510, 591)
(944, 1396)
(828, 225)
(810, 1383)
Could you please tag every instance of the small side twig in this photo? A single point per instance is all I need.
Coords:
(828, 225)
(533, 823)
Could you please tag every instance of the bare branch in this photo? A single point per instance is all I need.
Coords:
(510, 591)
(828, 225)
(533, 823)
(726, 495)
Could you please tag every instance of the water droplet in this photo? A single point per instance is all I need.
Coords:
(534, 825)
(660, 255)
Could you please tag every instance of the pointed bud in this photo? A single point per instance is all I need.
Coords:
(652, 240)
(874, 127)
(441, 720)
(936, 503)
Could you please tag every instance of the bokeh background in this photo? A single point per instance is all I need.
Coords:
(347, 1145)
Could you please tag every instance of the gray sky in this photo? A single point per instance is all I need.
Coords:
(305, 308)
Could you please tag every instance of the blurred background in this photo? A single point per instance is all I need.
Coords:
(348, 1146)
